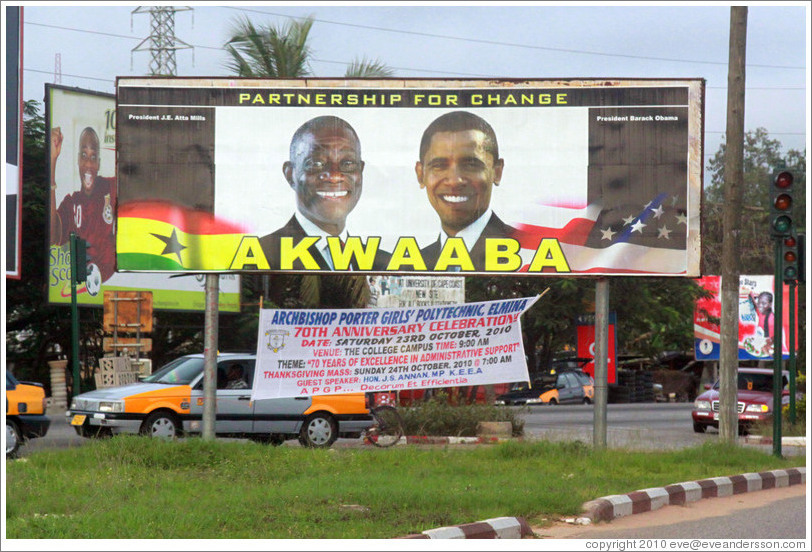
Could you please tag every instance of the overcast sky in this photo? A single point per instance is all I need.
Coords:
(541, 41)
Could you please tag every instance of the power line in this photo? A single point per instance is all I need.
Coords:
(510, 44)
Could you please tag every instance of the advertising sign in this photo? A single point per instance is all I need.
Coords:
(756, 319)
(415, 291)
(83, 199)
(325, 352)
(13, 180)
(404, 176)
(585, 327)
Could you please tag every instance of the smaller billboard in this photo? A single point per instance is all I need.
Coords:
(756, 319)
(415, 291)
(81, 131)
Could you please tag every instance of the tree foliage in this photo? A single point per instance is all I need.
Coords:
(763, 157)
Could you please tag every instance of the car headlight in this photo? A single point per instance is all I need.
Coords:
(757, 408)
(702, 405)
(73, 404)
(502, 403)
(536, 400)
(111, 406)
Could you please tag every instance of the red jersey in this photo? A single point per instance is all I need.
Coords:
(92, 217)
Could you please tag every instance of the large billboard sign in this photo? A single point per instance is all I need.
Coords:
(402, 176)
(326, 352)
(13, 180)
(756, 319)
(83, 199)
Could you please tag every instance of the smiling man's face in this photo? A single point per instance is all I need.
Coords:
(326, 172)
(458, 173)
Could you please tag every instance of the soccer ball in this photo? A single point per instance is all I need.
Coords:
(94, 280)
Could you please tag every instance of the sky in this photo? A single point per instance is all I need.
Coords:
(94, 43)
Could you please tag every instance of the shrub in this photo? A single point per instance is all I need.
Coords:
(437, 417)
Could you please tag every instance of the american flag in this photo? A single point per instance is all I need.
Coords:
(641, 238)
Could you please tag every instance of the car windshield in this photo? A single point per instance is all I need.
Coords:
(753, 382)
(180, 371)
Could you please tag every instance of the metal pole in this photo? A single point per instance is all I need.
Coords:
(601, 358)
(210, 339)
(793, 321)
(778, 288)
(74, 319)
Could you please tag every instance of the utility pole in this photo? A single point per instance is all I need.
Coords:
(731, 220)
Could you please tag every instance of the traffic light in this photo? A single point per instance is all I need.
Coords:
(781, 205)
(791, 257)
(80, 251)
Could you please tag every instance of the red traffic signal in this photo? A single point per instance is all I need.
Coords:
(781, 205)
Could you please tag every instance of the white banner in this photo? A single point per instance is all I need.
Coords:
(328, 352)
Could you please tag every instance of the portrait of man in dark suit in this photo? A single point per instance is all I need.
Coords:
(325, 170)
(458, 167)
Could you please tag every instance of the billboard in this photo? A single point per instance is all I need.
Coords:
(83, 199)
(756, 319)
(326, 352)
(400, 176)
(14, 124)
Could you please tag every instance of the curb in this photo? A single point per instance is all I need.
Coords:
(497, 528)
(610, 507)
(785, 441)
(432, 440)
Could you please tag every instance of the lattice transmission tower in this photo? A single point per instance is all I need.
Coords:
(162, 42)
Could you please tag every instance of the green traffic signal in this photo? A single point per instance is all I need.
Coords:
(782, 225)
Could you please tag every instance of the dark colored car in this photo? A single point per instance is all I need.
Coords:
(561, 387)
(25, 413)
(755, 399)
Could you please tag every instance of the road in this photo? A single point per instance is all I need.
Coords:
(643, 426)
(771, 514)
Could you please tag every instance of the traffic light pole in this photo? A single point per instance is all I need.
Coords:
(793, 321)
(778, 303)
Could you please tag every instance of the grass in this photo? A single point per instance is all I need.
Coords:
(137, 488)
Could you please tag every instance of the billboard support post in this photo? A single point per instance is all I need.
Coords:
(210, 356)
(74, 317)
(601, 368)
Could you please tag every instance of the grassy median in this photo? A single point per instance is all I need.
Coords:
(138, 488)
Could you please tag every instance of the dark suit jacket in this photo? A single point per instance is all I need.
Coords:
(270, 247)
(494, 229)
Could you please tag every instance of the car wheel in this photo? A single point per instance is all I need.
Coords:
(161, 424)
(699, 428)
(587, 401)
(13, 439)
(553, 402)
(319, 431)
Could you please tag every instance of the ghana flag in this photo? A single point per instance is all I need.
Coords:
(162, 236)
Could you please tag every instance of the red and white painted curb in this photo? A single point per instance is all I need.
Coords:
(785, 441)
(497, 528)
(646, 500)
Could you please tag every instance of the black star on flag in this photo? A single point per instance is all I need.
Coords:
(172, 244)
